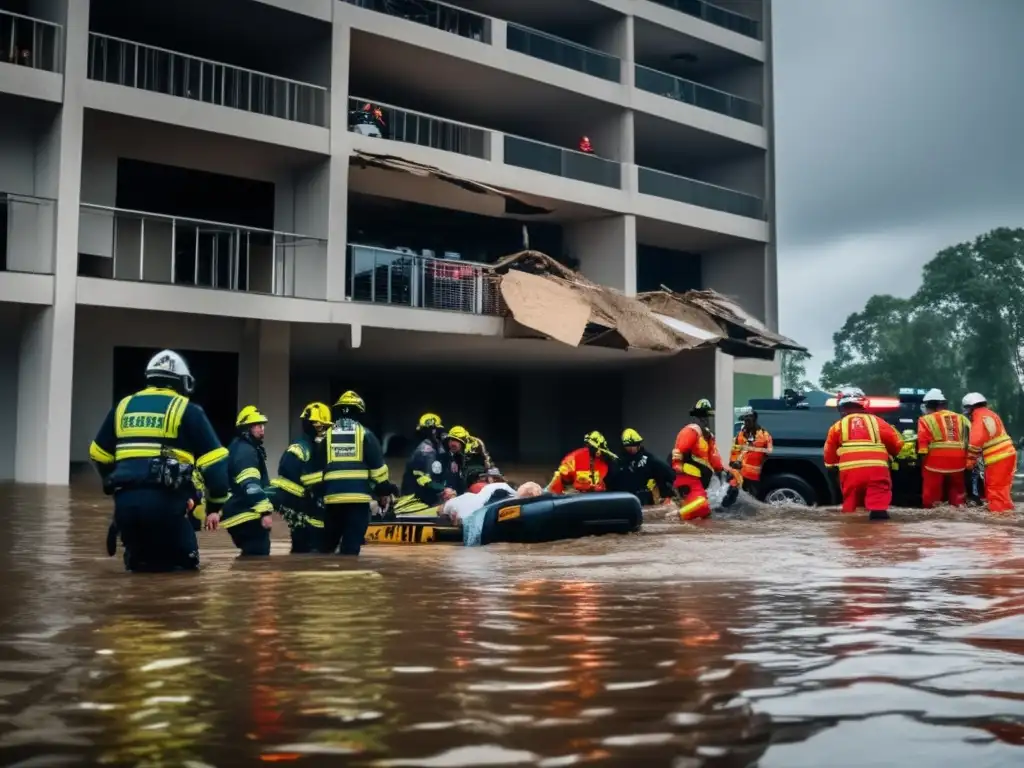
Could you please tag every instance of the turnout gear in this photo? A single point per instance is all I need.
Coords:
(169, 369)
(631, 437)
(990, 443)
(860, 445)
(317, 414)
(300, 474)
(460, 434)
(250, 500)
(934, 396)
(350, 404)
(942, 447)
(355, 471)
(751, 447)
(695, 460)
(851, 396)
(424, 480)
(478, 460)
(644, 475)
(146, 451)
(972, 399)
(585, 469)
(703, 408)
(249, 416)
(429, 421)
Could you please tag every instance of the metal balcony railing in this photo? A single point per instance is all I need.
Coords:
(30, 42)
(155, 248)
(382, 276)
(685, 190)
(558, 161)
(447, 18)
(27, 228)
(703, 96)
(565, 53)
(123, 62)
(417, 128)
(713, 14)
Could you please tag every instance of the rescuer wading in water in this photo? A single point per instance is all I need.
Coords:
(300, 474)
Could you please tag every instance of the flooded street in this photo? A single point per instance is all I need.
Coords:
(785, 640)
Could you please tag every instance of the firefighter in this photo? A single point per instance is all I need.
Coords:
(146, 451)
(585, 469)
(942, 447)
(640, 472)
(423, 482)
(861, 446)
(752, 445)
(990, 443)
(453, 459)
(300, 474)
(695, 460)
(585, 146)
(248, 513)
(478, 460)
(355, 473)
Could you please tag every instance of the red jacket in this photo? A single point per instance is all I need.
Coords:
(860, 440)
(578, 472)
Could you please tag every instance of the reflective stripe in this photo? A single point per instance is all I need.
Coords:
(347, 474)
(869, 452)
(208, 459)
(380, 475)
(241, 517)
(312, 478)
(688, 509)
(346, 498)
(247, 474)
(99, 455)
(288, 486)
(422, 478)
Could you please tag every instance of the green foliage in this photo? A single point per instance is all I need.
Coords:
(962, 331)
(793, 370)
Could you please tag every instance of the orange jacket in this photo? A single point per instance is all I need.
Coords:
(576, 471)
(988, 439)
(751, 452)
(942, 441)
(694, 454)
(860, 440)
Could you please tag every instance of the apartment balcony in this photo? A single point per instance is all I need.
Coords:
(713, 14)
(692, 192)
(398, 278)
(446, 18)
(559, 161)
(564, 53)
(31, 57)
(408, 127)
(154, 248)
(702, 96)
(27, 228)
(148, 68)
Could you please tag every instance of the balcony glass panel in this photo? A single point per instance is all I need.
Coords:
(27, 226)
(154, 248)
(698, 95)
(415, 128)
(30, 42)
(547, 158)
(713, 14)
(447, 18)
(684, 190)
(565, 53)
(122, 62)
(382, 276)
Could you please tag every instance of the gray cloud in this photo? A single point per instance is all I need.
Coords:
(898, 131)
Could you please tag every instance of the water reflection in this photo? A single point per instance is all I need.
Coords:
(780, 639)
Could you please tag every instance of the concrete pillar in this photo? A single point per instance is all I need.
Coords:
(723, 400)
(743, 274)
(606, 249)
(264, 379)
(337, 220)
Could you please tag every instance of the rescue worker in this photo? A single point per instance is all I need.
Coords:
(861, 445)
(585, 145)
(354, 474)
(749, 450)
(586, 469)
(478, 460)
(942, 447)
(640, 472)
(990, 443)
(453, 459)
(300, 474)
(248, 513)
(146, 450)
(424, 472)
(695, 460)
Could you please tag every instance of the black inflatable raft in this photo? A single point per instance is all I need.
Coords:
(523, 521)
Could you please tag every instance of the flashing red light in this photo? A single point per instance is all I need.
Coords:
(873, 403)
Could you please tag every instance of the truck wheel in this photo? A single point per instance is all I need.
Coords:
(788, 491)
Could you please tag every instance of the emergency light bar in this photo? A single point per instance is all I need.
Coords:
(873, 403)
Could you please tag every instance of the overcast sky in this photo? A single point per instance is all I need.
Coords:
(899, 130)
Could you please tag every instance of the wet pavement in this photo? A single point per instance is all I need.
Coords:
(781, 639)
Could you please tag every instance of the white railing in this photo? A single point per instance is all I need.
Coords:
(153, 247)
(694, 192)
(383, 276)
(26, 233)
(418, 128)
(31, 42)
(123, 62)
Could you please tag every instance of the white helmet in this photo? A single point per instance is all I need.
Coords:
(851, 396)
(972, 399)
(935, 396)
(170, 365)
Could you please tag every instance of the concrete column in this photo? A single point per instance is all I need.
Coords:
(723, 400)
(499, 33)
(496, 147)
(606, 249)
(264, 380)
(337, 221)
(743, 274)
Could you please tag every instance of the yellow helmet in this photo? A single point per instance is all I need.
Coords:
(429, 421)
(595, 440)
(459, 433)
(318, 413)
(631, 437)
(351, 400)
(250, 415)
(703, 408)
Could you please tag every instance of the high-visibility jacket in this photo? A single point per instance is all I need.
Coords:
(942, 441)
(354, 464)
(696, 454)
(988, 439)
(579, 472)
(750, 451)
(861, 440)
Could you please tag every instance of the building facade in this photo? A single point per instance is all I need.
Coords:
(209, 176)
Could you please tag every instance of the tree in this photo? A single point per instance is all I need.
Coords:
(793, 369)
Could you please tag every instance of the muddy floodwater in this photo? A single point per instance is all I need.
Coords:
(785, 639)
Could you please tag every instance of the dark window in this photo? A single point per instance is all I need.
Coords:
(677, 270)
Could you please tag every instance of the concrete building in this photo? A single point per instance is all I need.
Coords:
(188, 175)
